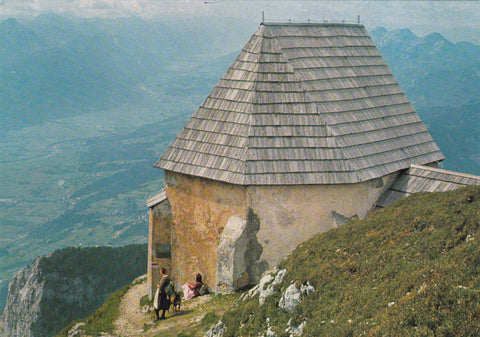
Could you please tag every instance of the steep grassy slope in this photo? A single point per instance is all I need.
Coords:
(412, 269)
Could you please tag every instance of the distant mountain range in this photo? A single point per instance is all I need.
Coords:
(88, 105)
(442, 79)
(57, 67)
(432, 70)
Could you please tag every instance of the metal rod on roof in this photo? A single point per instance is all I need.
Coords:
(263, 17)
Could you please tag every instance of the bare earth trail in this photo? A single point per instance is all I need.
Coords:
(137, 321)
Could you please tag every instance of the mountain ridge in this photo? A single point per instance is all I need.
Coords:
(65, 285)
(427, 66)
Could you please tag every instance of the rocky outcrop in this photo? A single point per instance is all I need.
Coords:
(23, 302)
(293, 296)
(290, 298)
(265, 287)
(66, 285)
(238, 254)
(216, 331)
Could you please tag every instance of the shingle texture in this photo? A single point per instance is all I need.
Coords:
(303, 104)
(425, 179)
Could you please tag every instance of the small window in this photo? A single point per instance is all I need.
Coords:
(163, 251)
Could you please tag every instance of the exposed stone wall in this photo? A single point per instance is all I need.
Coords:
(290, 215)
(159, 233)
(201, 209)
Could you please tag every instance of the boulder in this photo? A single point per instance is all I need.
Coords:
(290, 298)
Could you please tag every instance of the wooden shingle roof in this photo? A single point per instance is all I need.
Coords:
(425, 179)
(157, 199)
(303, 104)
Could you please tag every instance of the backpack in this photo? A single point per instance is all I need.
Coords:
(203, 290)
(169, 290)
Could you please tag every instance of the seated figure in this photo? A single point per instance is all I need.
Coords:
(192, 290)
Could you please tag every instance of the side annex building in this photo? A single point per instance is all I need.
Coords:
(307, 129)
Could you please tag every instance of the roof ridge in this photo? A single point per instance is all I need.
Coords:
(312, 24)
(247, 150)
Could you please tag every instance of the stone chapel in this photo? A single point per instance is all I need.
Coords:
(307, 129)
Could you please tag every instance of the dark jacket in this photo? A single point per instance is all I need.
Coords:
(161, 302)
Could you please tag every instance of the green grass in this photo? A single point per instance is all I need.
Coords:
(145, 300)
(103, 320)
(210, 318)
(411, 269)
(192, 322)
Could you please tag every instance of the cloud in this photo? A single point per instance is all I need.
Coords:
(424, 15)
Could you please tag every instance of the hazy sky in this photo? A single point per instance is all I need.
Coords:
(422, 16)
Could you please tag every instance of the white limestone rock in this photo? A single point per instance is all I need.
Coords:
(217, 330)
(265, 287)
(290, 298)
(279, 276)
(307, 288)
(22, 309)
(295, 330)
(269, 332)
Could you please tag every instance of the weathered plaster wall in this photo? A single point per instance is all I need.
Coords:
(159, 233)
(201, 208)
(289, 215)
(271, 221)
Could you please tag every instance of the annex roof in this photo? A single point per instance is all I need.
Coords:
(156, 199)
(303, 104)
(425, 179)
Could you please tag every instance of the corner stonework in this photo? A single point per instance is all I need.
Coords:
(238, 254)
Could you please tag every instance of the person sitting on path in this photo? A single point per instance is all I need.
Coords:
(161, 301)
(192, 290)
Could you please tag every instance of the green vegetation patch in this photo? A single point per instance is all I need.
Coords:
(411, 269)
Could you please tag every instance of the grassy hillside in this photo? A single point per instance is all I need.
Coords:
(412, 269)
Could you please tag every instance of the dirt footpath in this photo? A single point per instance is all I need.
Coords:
(189, 321)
